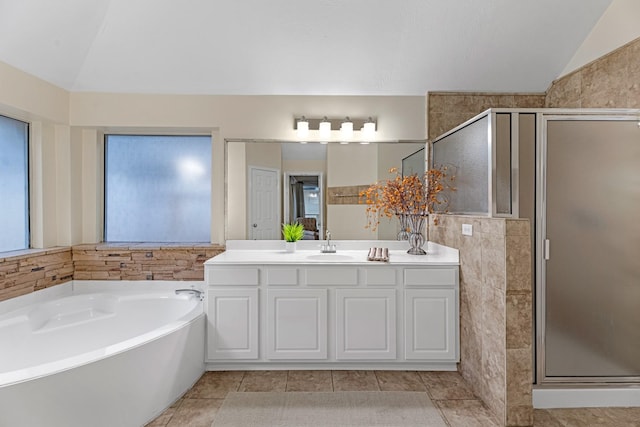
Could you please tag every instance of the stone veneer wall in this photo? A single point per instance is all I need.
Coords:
(446, 110)
(24, 272)
(611, 81)
(142, 261)
(495, 311)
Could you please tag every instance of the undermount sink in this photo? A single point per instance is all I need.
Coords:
(330, 257)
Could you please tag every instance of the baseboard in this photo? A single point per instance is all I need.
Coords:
(334, 365)
(545, 398)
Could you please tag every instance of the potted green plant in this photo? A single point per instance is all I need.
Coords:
(292, 233)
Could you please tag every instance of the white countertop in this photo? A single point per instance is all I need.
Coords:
(355, 253)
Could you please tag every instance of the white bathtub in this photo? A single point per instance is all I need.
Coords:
(98, 353)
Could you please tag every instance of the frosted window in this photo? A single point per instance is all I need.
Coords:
(466, 153)
(157, 188)
(14, 185)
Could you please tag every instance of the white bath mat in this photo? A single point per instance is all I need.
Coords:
(311, 409)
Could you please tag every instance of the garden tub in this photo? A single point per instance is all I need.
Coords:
(92, 353)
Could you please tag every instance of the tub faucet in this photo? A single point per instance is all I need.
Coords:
(194, 292)
(328, 248)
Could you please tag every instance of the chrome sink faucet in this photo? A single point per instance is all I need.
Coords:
(328, 248)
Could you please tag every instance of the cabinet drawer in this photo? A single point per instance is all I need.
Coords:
(380, 276)
(430, 277)
(332, 276)
(282, 276)
(233, 276)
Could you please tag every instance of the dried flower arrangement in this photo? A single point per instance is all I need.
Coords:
(407, 195)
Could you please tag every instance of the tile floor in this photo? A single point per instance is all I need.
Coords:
(454, 398)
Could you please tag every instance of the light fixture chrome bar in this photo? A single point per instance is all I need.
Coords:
(336, 123)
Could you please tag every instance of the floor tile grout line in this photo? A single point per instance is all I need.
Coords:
(375, 373)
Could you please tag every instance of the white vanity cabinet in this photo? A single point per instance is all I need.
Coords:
(288, 312)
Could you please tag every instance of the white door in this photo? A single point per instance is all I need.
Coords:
(430, 324)
(296, 324)
(232, 324)
(366, 324)
(264, 204)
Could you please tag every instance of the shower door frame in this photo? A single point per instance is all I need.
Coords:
(541, 250)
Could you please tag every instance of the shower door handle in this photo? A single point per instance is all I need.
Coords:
(546, 249)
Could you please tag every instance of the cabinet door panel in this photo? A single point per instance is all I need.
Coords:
(430, 324)
(366, 324)
(232, 329)
(297, 324)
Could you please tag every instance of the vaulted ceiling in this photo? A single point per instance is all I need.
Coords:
(311, 47)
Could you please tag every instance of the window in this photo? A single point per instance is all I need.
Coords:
(14, 184)
(157, 188)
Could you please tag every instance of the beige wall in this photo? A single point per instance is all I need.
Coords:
(349, 165)
(28, 98)
(236, 191)
(67, 128)
(241, 156)
(618, 25)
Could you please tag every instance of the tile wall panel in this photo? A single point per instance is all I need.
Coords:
(495, 335)
(446, 110)
(611, 81)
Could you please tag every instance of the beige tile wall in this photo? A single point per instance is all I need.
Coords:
(611, 81)
(446, 110)
(28, 271)
(495, 311)
(24, 272)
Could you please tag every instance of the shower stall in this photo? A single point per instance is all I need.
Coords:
(576, 175)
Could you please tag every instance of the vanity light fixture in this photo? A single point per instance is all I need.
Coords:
(346, 129)
(368, 129)
(324, 128)
(302, 127)
(359, 129)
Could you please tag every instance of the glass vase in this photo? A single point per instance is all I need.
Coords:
(404, 227)
(416, 237)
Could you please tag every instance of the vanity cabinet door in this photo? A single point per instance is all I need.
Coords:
(366, 324)
(296, 324)
(430, 324)
(232, 324)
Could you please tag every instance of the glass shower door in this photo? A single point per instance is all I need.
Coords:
(591, 278)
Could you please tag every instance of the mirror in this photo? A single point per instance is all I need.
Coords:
(268, 183)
